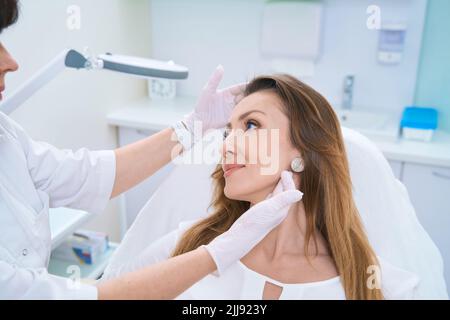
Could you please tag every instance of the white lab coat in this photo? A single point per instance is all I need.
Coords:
(33, 177)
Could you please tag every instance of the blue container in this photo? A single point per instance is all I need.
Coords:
(419, 123)
(419, 118)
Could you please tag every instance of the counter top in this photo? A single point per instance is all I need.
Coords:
(64, 222)
(152, 115)
(435, 152)
(155, 115)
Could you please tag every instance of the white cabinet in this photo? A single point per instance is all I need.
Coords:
(429, 190)
(134, 199)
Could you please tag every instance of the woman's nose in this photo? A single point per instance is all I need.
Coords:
(7, 63)
(234, 147)
(227, 147)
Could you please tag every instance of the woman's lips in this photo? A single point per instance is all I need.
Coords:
(228, 169)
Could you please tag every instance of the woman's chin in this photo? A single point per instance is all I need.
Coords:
(234, 194)
(252, 196)
(246, 185)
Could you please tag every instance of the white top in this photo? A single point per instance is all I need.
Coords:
(240, 282)
(35, 176)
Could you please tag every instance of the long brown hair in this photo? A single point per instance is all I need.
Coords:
(325, 182)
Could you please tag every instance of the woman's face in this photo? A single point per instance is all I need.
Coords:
(257, 147)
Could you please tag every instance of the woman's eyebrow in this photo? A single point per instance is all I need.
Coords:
(244, 115)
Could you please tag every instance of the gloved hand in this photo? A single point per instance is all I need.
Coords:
(254, 224)
(214, 106)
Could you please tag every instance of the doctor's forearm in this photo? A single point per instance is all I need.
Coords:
(137, 161)
(165, 280)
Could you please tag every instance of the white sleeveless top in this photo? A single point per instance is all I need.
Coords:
(239, 282)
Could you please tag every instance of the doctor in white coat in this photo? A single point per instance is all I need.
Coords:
(35, 176)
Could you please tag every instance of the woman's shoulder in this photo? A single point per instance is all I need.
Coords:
(397, 283)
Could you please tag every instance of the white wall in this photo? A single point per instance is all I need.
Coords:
(201, 34)
(70, 112)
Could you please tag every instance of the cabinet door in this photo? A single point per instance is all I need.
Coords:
(138, 196)
(429, 190)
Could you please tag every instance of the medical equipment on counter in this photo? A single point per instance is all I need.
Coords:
(69, 58)
(84, 246)
(383, 203)
(161, 89)
(419, 123)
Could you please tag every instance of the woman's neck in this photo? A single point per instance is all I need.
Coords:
(288, 238)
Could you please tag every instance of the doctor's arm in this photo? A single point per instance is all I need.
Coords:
(164, 280)
(137, 161)
(86, 180)
(28, 283)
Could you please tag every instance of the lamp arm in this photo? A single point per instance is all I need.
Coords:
(35, 83)
(70, 58)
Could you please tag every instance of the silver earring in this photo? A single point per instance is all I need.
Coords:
(297, 165)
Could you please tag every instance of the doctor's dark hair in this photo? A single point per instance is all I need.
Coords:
(314, 130)
(9, 13)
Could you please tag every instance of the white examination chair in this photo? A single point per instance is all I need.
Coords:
(383, 202)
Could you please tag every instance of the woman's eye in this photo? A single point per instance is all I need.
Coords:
(251, 125)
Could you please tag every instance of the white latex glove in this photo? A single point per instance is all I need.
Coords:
(214, 106)
(254, 224)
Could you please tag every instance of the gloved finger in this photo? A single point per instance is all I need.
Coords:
(278, 188)
(287, 179)
(233, 94)
(285, 183)
(215, 79)
(238, 89)
(285, 198)
(238, 98)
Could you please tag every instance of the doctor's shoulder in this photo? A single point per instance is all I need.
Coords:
(8, 126)
(13, 131)
(397, 283)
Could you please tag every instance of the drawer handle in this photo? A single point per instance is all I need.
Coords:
(441, 175)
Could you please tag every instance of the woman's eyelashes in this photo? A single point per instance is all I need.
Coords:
(249, 125)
